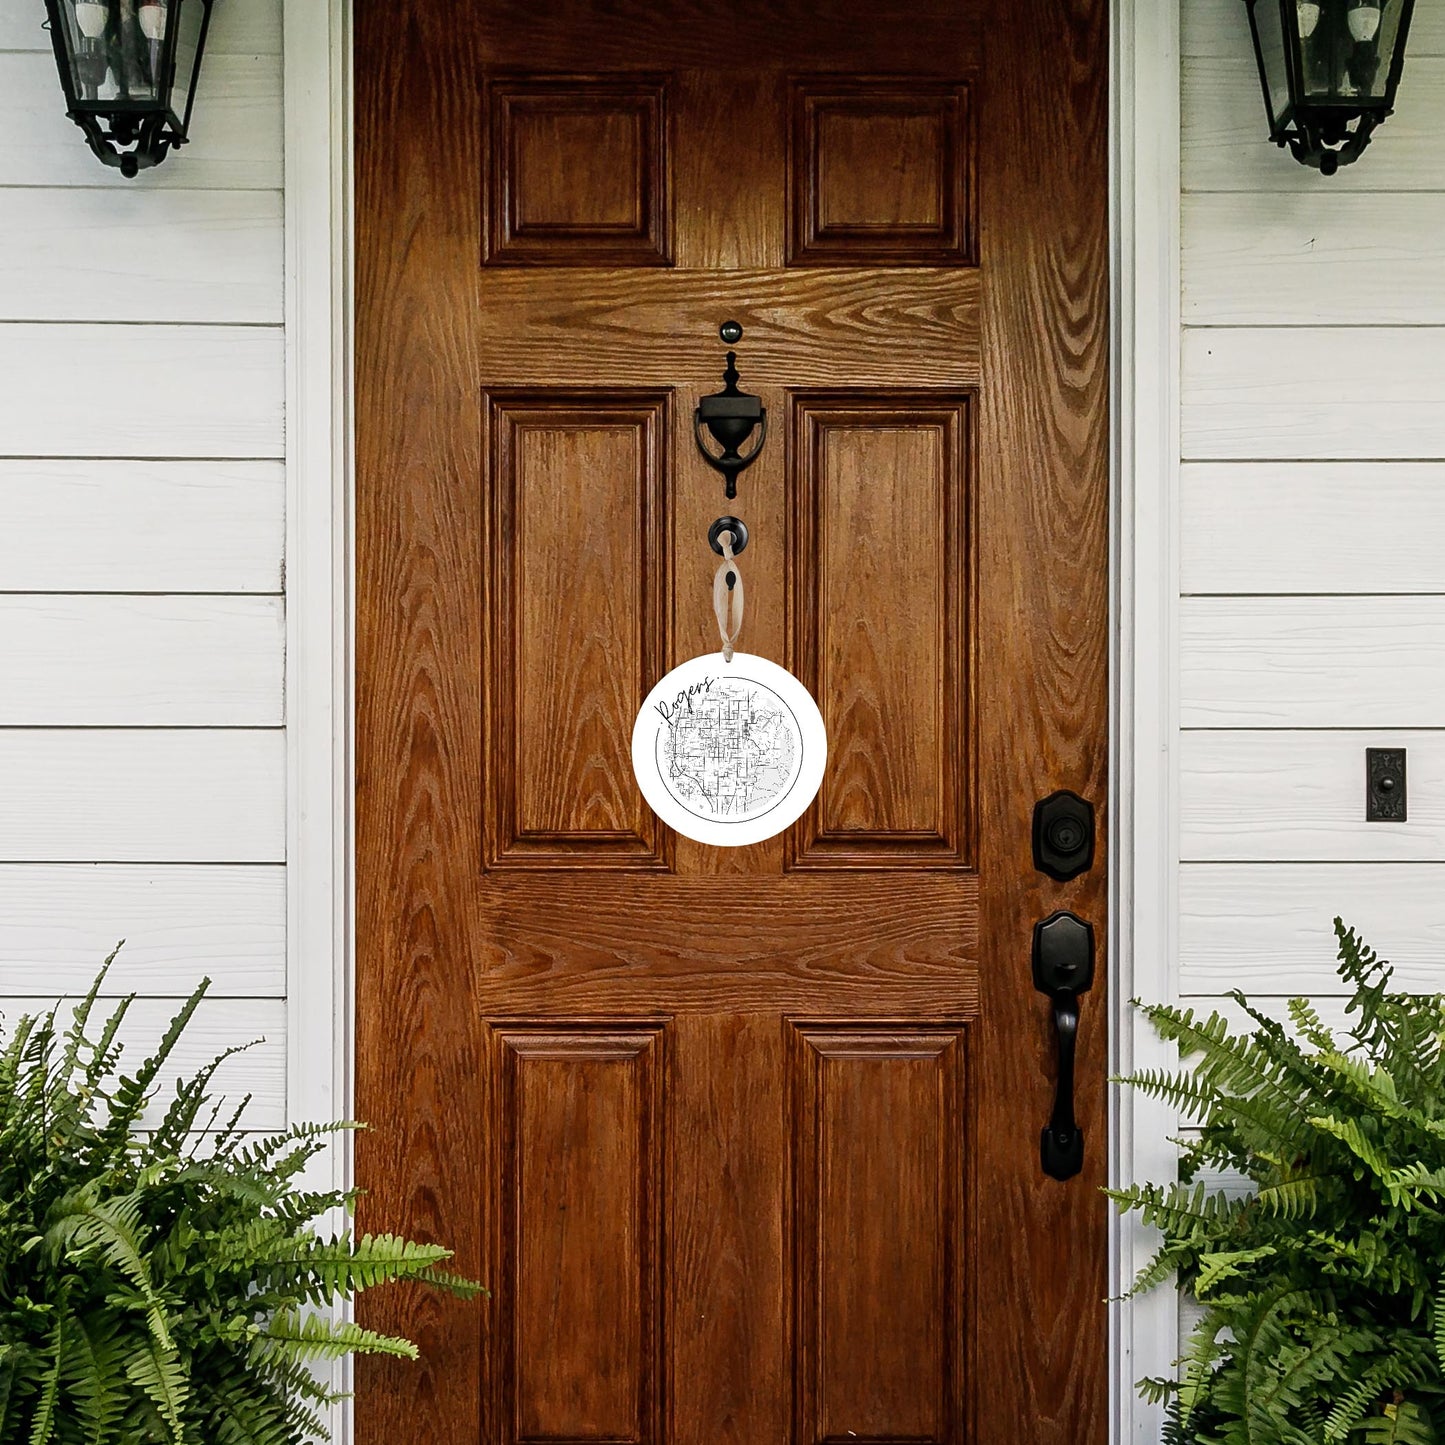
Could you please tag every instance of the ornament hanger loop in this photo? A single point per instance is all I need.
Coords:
(727, 593)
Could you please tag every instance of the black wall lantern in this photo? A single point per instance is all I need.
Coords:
(1330, 69)
(129, 68)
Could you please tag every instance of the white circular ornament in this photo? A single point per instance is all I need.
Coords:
(729, 752)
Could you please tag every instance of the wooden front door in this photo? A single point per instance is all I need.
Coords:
(744, 1142)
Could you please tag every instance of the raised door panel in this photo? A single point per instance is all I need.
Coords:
(578, 172)
(880, 576)
(879, 1233)
(576, 516)
(576, 1339)
(880, 173)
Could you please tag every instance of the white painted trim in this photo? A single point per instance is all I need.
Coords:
(1144, 225)
(319, 1018)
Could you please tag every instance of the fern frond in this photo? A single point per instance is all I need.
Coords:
(313, 1337)
(42, 1425)
(1292, 1199)
(158, 1372)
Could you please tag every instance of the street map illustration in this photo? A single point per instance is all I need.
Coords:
(729, 751)
(732, 752)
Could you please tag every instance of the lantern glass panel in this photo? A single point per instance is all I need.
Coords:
(1345, 57)
(190, 25)
(1268, 20)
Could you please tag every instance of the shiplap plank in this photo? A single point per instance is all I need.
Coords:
(212, 256)
(180, 924)
(1269, 928)
(1312, 662)
(1299, 797)
(238, 27)
(1280, 527)
(1333, 393)
(1225, 143)
(82, 795)
(188, 526)
(1221, 28)
(218, 1024)
(99, 661)
(1295, 260)
(236, 132)
(141, 391)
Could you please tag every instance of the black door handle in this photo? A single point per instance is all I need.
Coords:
(1063, 969)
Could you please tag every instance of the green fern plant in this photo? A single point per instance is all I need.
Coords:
(164, 1282)
(1322, 1284)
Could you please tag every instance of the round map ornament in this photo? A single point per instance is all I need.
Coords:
(729, 751)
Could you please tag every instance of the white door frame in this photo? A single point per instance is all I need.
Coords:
(1144, 224)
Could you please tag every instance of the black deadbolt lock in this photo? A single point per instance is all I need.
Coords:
(1063, 835)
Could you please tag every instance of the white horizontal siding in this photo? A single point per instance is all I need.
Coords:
(1330, 527)
(1268, 930)
(1311, 662)
(180, 924)
(1312, 508)
(141, 661)
(208, 256)
(1225, 143)
(142, 492)
(235, 132)
(1270, 260)
(141, 391)
(188, 526)
(219, 1024)
(1282, 796)
(140, 795)
(1313, 392)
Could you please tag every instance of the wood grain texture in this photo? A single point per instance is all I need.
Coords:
(1225, 144)
(235, 139)
(91, 795)
(879, 1114)
(1268, 929)
(1293, 393)
(579, 1215)
(180, 924)
(1312, 662)
(723, 951)
(890, 39)
(218, 1024)
(880, 172)
(1269, 260)
(84, 661)
(560, 727)
(420, 591)
(804, 328)
(188, 526)
(75, 254)
(1300, 797)
(224, 391)
(1041, 676)
(1326, 527)
(578, 171)
(882, 557)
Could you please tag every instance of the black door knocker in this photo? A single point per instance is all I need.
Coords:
(731, 416)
